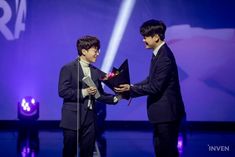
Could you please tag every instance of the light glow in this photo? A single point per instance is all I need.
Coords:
(117, 34)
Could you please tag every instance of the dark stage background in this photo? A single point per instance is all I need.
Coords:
(37, 37)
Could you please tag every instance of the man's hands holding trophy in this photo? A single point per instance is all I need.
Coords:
(91, 90)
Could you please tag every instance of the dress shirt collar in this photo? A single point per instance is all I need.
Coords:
(155, 51)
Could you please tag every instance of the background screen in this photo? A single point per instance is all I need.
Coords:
(38, 37)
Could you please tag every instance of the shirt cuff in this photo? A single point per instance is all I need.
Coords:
(84, 93)
(115, 99)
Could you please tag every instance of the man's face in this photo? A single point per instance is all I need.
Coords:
(150, 42)
(91, 54)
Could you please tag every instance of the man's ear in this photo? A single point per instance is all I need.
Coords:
(84, 52)
(156, 38)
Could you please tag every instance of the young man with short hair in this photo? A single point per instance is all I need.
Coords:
(165, 106)
(78, 111)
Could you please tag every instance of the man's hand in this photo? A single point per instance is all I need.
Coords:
(91, 90)
(122, 88)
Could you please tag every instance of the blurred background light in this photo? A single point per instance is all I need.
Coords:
(117, 34)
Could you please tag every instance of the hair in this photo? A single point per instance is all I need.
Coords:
(153, 27)
(86, 43)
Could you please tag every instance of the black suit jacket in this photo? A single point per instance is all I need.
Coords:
(71, 75)
(164, 101)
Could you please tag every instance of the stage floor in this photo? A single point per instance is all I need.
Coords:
(48, 143)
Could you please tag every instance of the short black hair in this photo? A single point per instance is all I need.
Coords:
(86, 43)
(153, 27)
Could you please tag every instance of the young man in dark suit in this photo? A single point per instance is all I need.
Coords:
(165, 106)
(78, 111)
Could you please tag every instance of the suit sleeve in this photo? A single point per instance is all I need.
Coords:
(65, 85)
(159, 79)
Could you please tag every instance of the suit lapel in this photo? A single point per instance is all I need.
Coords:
(93, 75)
(75, 69)
(153, 62)
(155, 59)
(80, 71)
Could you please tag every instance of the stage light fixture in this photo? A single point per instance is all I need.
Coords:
(28, 109)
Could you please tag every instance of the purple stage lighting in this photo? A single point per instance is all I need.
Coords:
(180, 143)
(28, 109)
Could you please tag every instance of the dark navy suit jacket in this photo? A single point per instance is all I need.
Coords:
(164, 101)
(71, 75)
